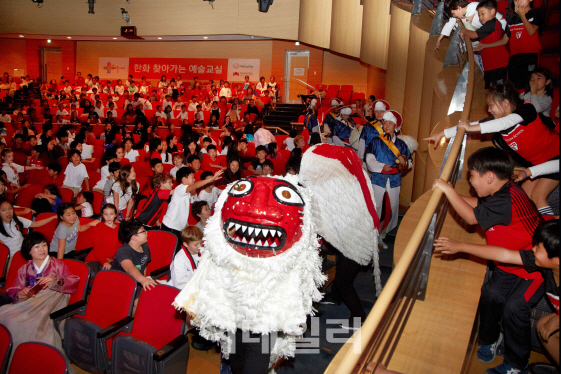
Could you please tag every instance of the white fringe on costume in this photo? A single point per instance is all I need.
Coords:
(339, 211)
(230, 291)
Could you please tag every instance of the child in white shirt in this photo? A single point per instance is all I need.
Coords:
(210, 193)
(186, 260)
(176, 218)
(84, 201)
(76, 173)
(178, 164)
(11, 169)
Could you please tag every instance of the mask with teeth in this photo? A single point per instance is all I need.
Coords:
(262, 216)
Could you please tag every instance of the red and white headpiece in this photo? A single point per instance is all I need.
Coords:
(342, 202)
(381, 105)
(395, 117)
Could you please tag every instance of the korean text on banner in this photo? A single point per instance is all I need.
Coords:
(238, 68)
(113, 67)
(188, 68)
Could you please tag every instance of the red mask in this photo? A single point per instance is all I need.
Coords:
(266, 214)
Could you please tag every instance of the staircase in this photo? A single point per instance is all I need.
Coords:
(283, 116)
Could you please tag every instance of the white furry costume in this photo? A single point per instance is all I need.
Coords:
(232, 291)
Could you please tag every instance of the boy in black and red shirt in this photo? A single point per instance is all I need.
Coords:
(495, 59)
(509, 219)
(543, 258)
(525, 45)
(152, 210)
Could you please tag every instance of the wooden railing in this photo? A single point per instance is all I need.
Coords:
(379, 336)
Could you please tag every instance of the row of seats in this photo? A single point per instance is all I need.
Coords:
(101, 334)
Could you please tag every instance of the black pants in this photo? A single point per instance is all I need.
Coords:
(520, 67)
(249, 357)
(343, 288)
(503, 298)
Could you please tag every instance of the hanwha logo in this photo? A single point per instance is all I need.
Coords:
(235, 66)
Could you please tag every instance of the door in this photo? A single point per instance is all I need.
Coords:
(297, 64)
(51, 64)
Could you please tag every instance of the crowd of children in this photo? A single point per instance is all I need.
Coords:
(165, 153)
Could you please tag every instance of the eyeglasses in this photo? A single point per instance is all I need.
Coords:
(141, 232)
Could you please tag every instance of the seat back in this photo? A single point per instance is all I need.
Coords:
(17, 262)
(35, 357)
(85, 238)
(6, 344)
(333, 88)
(108, 303)
(162, 245)
(97, 202)
(4, 259)
(347, 88)
(80, 269)
(142, 168)
(26, 196)
(169, 324)
(49, 229)
(67, 195)
(278, 166)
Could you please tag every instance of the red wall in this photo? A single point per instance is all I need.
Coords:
(68, 48)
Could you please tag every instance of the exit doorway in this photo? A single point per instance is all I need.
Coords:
(296, 65)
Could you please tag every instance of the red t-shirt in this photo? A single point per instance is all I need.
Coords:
(496, 57)
(520, 40)
(266, 100)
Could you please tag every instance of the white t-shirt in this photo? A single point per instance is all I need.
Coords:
(87, 210)
(226, 92)
(263, 137)
(289, 142)
(6, 118)
(87, 151)
(173, 171)
(124, 197)
(210, 197)
(168, 162)
(13, 242)
(104, 174)
(132, 155)
(178, 209)
(75, 175)
(182, 270)
(12, 172)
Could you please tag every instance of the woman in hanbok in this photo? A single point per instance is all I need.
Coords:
(43, 286)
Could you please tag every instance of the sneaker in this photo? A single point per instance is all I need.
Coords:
(487, 353)
(542, 368)
(505, 368)
(382, 245)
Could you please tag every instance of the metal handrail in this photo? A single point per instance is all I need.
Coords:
(410, 266)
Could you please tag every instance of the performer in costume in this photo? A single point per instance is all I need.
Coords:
(373, 128)
(386, 158)
(342, 204)
(261, 269)
(340, 126)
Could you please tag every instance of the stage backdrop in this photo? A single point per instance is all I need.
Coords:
(113, 67)
(238, 68)
(188, 68)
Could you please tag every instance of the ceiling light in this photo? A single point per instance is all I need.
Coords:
(68, 37)
(205, 37)
(160, 38)
(297, 43)
(48, 40)
(21, 36)
(114, 38)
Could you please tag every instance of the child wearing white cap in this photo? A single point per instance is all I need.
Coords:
(386, 158)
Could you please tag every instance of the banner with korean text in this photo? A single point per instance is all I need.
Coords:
(188, 68)
(113, 67)
(238, 68)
